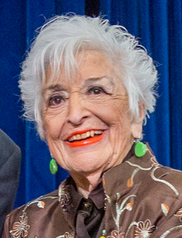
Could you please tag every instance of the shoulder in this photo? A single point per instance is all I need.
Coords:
(42, 217)
(153, 176)
(35, 208)
(168, 176)
(159, 188)
(158, 179)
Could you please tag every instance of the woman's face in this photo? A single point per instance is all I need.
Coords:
(86, 120)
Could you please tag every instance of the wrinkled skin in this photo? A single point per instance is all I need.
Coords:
(95, 99)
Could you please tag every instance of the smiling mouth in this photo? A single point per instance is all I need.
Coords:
(85, 138)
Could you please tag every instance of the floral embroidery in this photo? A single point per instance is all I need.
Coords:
(153, 168)
(165, 208)
(64, 196)
(154, 161)
(129, 206)
(130, 181)
(166, 233)
(143, 229)
(116, 234)
(119, 206)
(179, 214)
(66, 235)
(41, 204)
(20, 229)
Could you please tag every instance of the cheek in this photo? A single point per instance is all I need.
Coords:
(53, 123)
(51, 129)
(119, 125)
(58, 153)
(112, 111)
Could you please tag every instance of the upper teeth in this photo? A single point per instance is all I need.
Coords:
(85, 135)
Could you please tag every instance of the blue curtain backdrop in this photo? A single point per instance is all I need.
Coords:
(158, 26)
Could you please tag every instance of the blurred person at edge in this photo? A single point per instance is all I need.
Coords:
(10, 158)
(89, 86)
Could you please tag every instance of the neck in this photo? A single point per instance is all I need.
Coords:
(86, 182)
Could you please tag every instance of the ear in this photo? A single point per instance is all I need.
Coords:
(137, 125)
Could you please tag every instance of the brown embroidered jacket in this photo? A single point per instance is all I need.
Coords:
(143, 199)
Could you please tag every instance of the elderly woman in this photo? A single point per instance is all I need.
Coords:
(89, 86)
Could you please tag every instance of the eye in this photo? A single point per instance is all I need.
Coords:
(55, 100)
(96, 90)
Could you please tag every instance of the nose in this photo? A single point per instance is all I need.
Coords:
(77, 111)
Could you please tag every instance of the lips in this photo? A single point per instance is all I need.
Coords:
(84, 138)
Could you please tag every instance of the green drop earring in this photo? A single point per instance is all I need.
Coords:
(53, 166)
(140, 149)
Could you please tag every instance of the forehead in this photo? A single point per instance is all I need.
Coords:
(89, 65)
(92, 62)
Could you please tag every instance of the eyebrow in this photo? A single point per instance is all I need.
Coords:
(54, 88)
(89, 81)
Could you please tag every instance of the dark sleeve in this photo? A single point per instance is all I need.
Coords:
(10, 156)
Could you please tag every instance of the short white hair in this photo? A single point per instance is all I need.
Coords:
(58, 42)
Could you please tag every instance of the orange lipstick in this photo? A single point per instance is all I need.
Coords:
(84, 142)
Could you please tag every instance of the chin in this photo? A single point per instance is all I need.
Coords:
(86, 170)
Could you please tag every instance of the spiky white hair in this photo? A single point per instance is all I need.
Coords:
(63, 37)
